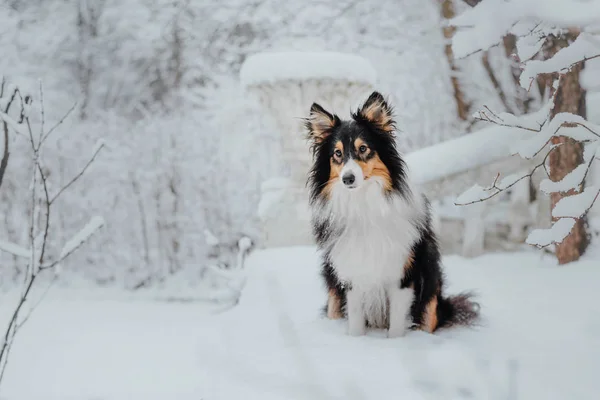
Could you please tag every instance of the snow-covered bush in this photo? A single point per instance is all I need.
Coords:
(554, 40)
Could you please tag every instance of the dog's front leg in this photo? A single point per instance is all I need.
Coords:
(400, 303)
(356, 314)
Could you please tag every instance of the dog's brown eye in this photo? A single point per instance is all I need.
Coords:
(338, 153)
(362, 148)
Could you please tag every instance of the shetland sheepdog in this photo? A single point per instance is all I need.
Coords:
(380, 255)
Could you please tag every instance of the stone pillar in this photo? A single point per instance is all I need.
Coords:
(286, 85)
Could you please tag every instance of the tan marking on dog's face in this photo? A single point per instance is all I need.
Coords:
(372, 165)
(334, 305)
(335, 167)
(430, 321)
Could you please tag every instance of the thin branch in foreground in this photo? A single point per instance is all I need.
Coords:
(498, 190)
(41, 202)
(47, 211)
(67, 114)
(42, 114)
(76, 177)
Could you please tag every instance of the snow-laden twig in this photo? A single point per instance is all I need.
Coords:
(556, 234)
(82, 236)
(478, 193)
(14, 249)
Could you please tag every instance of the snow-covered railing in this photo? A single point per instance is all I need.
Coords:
(451, 167)
(287, 83)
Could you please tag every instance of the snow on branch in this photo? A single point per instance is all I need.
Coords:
(576, 205)
(545, 237)
(574, 178)
(584, 48)
(82, 236)
(14, 249)
(484, 25)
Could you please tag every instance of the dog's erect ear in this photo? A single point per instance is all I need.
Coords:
(377, 112)
(320, 123)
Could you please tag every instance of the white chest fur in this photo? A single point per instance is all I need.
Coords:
(377, 237)
(373, 238)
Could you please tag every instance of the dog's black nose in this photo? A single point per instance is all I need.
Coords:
(348, 179)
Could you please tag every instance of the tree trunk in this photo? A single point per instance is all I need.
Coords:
(462, 108)
(570, 97)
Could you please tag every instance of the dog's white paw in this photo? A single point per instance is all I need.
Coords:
(397, 331)
(400, 303)
(357, 330)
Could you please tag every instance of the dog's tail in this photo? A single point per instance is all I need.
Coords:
(456, 310)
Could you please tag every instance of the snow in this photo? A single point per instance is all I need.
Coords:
(244, 244)
(210, 238)
(545, 237)
(272, 192)
(464, 153)
(476, 33)
(474, 36)
(83, 235)
(540, 339)
(14, 249)
(530, 147)
(300, 66)
(477, 192)
(576, 205)
(530, 38)
(574, 178)
(14, 125)
(474, 194)
(583, 47)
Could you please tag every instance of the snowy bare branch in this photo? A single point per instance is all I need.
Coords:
(39, 210)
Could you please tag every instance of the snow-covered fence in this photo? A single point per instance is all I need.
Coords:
(449, 168)
(286, 84)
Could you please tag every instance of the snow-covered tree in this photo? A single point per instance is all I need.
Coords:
(554, 40)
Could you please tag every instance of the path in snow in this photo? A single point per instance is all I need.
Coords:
(541, 340)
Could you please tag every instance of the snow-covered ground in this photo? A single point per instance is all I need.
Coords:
(540, 339)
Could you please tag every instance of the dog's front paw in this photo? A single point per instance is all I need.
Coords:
(357, 330)
(399, 329)
(356, 326)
